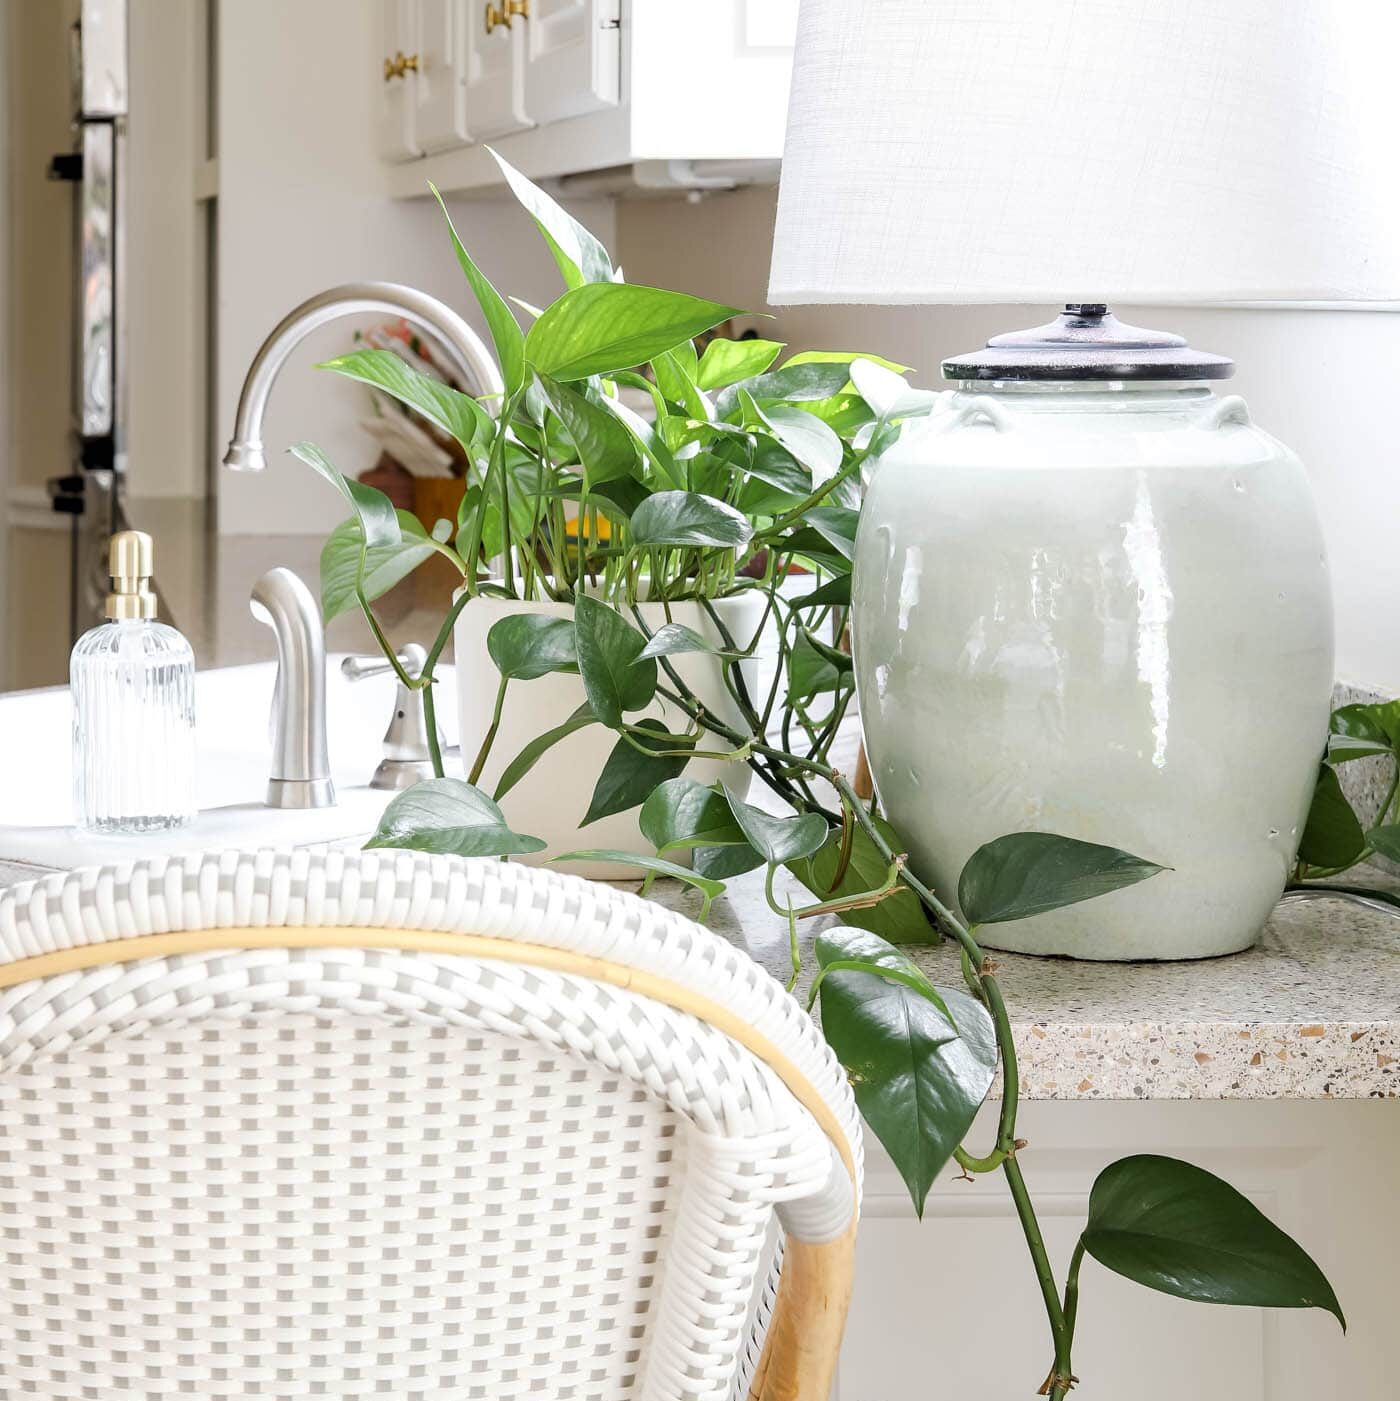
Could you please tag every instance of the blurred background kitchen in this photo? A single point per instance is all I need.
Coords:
(263, 151)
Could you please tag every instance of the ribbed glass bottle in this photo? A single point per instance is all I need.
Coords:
(132, 682)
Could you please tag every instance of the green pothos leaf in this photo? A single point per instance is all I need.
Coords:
(638, 764)
(505, 330)
(1179, 1229)
(449, 817)
(917, 1083)
(1332, 836)
(379, 521)
(525, 646)
(345, 562)
(843, 949)
(616, 677)
(725, 362)
(579, 256)
(682, 813)
(779, 840)
(1029, 873)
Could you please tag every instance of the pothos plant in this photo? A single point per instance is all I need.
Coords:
(1335, 839)
(746, 477)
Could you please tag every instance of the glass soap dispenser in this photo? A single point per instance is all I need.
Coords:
(133, 707)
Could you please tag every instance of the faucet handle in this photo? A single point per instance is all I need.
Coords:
(362, 666)
(407, 759)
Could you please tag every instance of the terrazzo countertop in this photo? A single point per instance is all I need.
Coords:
(1312, 1012)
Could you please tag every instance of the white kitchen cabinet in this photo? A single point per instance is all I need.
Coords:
(397, 82)
(495, 66)
(665, 93)
(573, 59)
(949, 1306)
(439, 86)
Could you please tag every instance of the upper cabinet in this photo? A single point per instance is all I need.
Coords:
(398, 82)
(492, 66)
(666, 92)
(573, 59)
(440, 96)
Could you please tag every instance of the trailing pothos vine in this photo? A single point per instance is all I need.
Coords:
(745, 477)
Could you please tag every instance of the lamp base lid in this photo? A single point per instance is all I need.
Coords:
(1087, 341)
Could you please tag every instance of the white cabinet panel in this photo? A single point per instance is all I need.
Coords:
(574, 58)
(495, 57)
(949, 1307)
(440, 97)
(397, 90)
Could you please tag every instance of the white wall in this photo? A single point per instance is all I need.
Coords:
(1322, 381)
(301, 208)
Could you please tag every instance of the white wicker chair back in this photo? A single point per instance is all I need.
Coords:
(353, 1171)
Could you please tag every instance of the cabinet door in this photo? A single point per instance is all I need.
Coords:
(440, 98)
(397, 91)
(495, 58)
(948, 1306)
(574, 59)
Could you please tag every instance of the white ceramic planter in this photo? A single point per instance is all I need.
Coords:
(553, 798)
(1104, 613)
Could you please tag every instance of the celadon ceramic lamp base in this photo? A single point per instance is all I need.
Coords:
(1091, 597)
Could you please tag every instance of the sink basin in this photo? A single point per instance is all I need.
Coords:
(232, 708)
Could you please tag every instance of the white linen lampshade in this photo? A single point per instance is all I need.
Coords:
(1158, 151)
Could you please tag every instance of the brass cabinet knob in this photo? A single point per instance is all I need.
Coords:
(399, 65)
(497, 15)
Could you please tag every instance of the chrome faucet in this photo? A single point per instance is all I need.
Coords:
(301, 770)
(468, 352)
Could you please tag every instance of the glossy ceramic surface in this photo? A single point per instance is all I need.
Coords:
(1102, 611)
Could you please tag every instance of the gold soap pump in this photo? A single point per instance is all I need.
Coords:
(131, 562)
(132, 680)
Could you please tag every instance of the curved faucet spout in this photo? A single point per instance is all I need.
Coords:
(301, 770)
(467, 350)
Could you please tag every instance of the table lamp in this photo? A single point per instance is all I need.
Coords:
(1090, 595)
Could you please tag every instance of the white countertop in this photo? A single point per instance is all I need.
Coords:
(232, 710)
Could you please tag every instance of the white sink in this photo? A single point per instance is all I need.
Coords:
(232, 709)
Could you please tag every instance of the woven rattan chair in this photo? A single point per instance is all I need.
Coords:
(344, 1125)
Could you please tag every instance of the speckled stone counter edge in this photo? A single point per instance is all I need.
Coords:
(1209, 1060)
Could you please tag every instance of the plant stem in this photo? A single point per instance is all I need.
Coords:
(969, 1164)
(430, 720)
(490, 737)
(1071, 1308)
(1035, 1243)
(383, 642)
